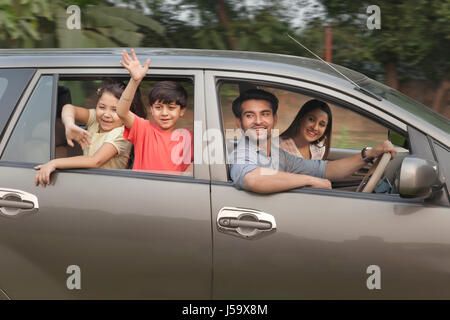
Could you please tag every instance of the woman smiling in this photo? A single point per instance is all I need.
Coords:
(309, 135)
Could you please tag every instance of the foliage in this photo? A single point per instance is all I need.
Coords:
(404, 37)
(19, 21)
(41, 23)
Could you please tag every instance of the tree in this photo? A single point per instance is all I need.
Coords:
(403, 42)
(19, 22)
(41, 23)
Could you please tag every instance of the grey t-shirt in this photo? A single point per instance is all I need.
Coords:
(247, 156)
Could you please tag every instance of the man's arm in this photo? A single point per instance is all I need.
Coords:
(137, 73)
(339, 169)
(265, 180)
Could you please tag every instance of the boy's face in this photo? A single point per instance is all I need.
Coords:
(105, 112)
(166, 115)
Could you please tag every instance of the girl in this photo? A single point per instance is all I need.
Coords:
(103, 143)
(309, 135)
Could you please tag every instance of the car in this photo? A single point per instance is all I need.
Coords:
(124, 234)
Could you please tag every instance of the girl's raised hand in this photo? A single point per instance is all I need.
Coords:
(137, 71)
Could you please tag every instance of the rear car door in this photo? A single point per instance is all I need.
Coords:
(322, 244)
(122, 234)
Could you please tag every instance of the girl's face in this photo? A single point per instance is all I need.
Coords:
(105, 112)
(313, 125)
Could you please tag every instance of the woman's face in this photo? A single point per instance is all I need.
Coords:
(313, 125)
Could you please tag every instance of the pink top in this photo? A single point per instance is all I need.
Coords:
(155, 149)
(317, 151)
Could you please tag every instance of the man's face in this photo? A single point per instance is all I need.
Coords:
(257, 119)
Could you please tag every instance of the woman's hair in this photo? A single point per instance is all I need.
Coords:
(116, 88)
(309, 106)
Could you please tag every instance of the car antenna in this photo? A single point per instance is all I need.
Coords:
(366, 92)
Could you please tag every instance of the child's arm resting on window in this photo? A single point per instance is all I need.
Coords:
(104, 154)
(137, 73)
(69, 115)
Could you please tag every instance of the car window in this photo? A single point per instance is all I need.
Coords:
(407, 103)
(350, 130)
(12, 84)
(30, 139)
(82, 92)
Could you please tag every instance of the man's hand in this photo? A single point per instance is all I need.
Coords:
(137, 71)
(320, 183)
(43, 176)
(74, 132)
(385, 147)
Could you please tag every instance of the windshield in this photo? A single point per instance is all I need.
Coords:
(406, 103)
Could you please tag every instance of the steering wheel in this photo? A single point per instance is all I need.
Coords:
(374, 175)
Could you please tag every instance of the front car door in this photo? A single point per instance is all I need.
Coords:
(328, 244)
(124, 234)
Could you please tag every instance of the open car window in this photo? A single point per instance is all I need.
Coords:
(82, 91)
(351, 131)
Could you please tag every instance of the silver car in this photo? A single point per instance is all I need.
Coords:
(123, 234)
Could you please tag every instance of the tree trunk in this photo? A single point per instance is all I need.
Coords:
(223, 18)
(439, 98)
(391, 78)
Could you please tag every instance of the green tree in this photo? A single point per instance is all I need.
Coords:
(19, 22)
(41, 23)
(403, 45)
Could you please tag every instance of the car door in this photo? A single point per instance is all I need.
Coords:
(322, 244)
(95, 233)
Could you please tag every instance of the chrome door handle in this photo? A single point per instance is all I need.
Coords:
(245, 223)
(235, 223)
(16, 203)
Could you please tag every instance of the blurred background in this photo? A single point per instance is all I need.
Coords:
(410, 52)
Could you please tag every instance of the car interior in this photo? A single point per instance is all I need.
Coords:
(81, 91)
(351, 131)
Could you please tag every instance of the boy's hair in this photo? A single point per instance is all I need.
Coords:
(168, 92)
(116, 88)
(254, 94)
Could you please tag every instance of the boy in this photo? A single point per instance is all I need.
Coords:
(156, 146)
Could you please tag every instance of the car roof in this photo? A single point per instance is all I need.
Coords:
(176, 58)
(305, 69)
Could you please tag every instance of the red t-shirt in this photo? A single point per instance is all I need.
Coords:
(155, 149)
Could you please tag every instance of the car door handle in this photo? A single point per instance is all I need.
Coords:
(245, 223)
(16, 203)
(235, 223)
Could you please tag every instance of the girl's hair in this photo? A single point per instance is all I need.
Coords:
(309, 106)
(116, 88)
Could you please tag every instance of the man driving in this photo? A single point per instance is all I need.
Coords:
(259, 165)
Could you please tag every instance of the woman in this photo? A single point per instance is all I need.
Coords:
(309, 135)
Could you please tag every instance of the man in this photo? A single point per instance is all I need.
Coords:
(258, 165)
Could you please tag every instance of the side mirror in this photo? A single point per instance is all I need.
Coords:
(397, 139)
(417, 178)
